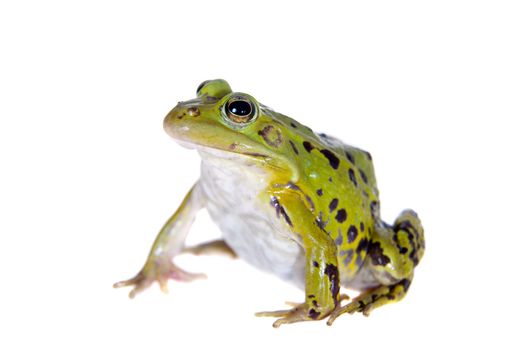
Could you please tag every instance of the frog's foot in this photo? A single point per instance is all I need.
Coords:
(372, 299)
(299, 313)
(218, 247)
(159, 272)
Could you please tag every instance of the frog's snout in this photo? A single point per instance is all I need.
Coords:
(176, 114)
(179, 120)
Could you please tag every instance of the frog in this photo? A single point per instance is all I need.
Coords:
(298, 204)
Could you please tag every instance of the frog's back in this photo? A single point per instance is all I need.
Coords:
(340, 181)
(353, 208)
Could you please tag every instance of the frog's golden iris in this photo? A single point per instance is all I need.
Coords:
(301, 205)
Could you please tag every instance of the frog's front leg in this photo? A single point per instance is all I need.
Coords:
(393, 253)
(169, 242)
(321, 271)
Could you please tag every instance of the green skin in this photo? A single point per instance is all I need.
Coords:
(323, 190)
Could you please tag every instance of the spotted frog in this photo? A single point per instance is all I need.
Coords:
(298, 204)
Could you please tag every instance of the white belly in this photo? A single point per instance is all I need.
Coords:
(248, 223)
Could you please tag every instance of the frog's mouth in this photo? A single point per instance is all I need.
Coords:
(230, 153)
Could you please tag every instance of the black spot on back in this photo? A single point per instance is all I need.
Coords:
(319, 192)
(341, 215)
(351, 233)
(308, 146)
(332, 158)
(350, 157)
(363, 176)
(351, 175)
(333, 204)
(292, 124)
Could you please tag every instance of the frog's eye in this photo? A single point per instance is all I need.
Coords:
(217, 88)
(240, 109)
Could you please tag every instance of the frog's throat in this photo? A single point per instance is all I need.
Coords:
(245, 157)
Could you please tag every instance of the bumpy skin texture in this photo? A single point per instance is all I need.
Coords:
(324, 191)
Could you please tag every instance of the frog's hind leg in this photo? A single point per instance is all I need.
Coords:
(373, 298)
(393, 253)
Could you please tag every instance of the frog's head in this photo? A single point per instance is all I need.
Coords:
(235, 123)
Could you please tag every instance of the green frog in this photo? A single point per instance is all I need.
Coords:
(298, 204)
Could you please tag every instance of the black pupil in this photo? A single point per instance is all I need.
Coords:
(240, 108)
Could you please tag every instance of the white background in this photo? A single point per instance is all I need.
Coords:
(435, 90)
